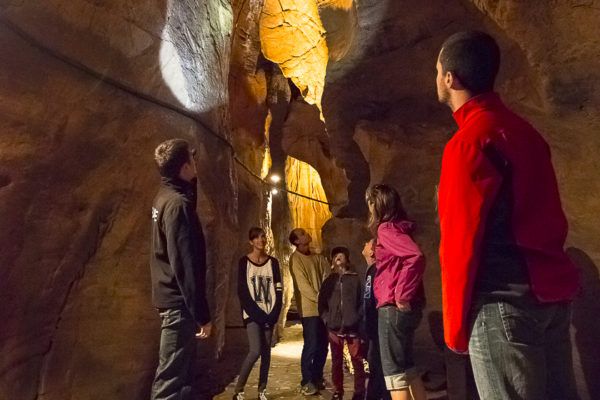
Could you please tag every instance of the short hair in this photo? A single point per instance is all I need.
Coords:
(340, 249)
(474, 58)
(294, 235)
(255, 232)
(170, 156)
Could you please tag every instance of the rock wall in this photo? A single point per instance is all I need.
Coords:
(88, 89)
(385, 125)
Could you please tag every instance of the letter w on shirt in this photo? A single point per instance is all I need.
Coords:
(262, 289)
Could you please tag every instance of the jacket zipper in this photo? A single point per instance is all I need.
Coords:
(342, 301)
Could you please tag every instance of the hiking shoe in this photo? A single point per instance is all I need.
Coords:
(239, 396)
(309, 389)
(337, 396)
(262, 395)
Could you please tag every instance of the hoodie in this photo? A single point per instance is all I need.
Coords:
(400, 266)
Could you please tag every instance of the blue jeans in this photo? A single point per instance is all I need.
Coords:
(396, 334)
(314, 351)
(177, 353)
(522, 352)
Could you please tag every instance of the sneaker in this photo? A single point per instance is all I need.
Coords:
(262, 395)
(239, 396)
(309, 389)
(337, 396)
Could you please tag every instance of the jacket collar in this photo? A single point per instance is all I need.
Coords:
(485, 101)
(179, 185)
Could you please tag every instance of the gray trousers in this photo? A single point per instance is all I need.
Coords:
(177, 353)
(259, 342)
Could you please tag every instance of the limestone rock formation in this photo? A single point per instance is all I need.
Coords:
(292, 36)
(87, 91)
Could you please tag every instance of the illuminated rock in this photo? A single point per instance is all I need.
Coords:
(293, 37)
(309, 215)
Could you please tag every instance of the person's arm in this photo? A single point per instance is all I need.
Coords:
(413, 265)
(187, 257)
(323, 298)
(255, 313)
(304, 283)
(469, 185)
(273, 316)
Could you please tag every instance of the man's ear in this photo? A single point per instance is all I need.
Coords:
(452, 81)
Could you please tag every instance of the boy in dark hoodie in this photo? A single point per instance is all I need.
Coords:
(341, 308)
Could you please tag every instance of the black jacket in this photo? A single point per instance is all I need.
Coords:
(249, 305)
(177, 250)
(341, 302)
(370, 304)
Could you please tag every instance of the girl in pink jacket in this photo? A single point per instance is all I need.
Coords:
(398, 288)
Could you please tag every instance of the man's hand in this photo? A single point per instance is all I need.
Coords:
(403, 306)
(205, 331)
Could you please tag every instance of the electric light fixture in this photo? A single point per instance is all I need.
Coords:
(275, 178)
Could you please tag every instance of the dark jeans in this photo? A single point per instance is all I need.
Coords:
(314, 351)
(522, 352)
(259, 341)
(173, 379)
(376, 389)
(337, 362)
(396, 334)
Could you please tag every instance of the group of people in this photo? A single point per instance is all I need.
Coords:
(338, 309)
(506, 280)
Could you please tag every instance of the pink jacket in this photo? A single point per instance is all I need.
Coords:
(400, 265)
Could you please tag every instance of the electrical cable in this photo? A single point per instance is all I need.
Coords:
(144, 96)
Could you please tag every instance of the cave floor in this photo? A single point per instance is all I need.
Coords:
(284, 374)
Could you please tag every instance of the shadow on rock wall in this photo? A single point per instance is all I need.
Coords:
(88, 104)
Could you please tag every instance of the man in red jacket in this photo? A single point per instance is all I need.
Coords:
(506, 281)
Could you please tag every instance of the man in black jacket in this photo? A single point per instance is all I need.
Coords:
(178, 269)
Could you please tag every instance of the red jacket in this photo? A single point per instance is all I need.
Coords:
(468, 186)
(400, 265)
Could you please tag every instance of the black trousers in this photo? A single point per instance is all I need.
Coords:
(177, 354)
(376, 389)
(314, 352)
(259, 342)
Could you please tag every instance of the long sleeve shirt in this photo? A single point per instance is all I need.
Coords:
(496, 154)
(400, 266)
(177, 251)
(260, 291)
(308, 272)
